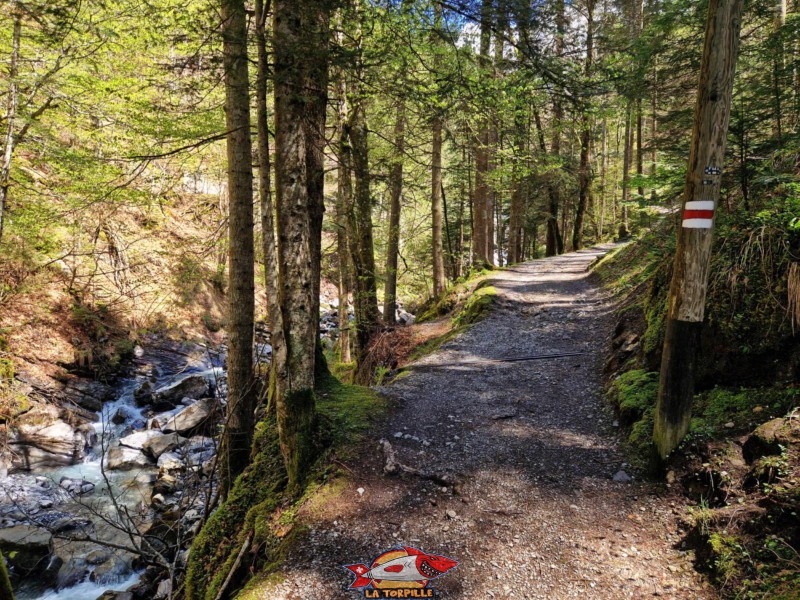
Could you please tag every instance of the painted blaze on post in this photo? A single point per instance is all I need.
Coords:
(699, 214)
(687, 293)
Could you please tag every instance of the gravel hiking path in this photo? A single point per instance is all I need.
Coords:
(535, 512)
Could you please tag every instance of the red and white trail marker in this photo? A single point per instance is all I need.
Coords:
(698, 214)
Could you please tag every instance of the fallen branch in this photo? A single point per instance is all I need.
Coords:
(393, 466)
(235, 567)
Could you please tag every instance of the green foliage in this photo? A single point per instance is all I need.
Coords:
(6, 371)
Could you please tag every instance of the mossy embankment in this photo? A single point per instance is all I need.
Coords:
(260, 515)
(742, 505)
(465, 303)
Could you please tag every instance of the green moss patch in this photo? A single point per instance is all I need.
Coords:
(477, 305)
(633, 393)
(715, 410)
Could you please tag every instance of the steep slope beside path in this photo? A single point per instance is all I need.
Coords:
(535, 512)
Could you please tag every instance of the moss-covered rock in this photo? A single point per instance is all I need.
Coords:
(771, 438)
(633, 393)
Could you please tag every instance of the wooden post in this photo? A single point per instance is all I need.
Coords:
(687, 294)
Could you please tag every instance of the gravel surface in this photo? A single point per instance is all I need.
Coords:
(535, 510)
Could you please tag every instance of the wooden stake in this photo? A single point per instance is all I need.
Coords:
(687, 294)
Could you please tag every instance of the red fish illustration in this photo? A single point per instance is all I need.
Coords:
(416, 566)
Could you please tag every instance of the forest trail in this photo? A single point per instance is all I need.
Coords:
(536, 513)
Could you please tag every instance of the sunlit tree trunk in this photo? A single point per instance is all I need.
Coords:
(481, 216)
(437, 208)
(344, 202)
(584, 174)
(555, 243)
(237, 438)
(301, 79)
(687, 293)
(269, 247)
(395, 197)
(10, 117)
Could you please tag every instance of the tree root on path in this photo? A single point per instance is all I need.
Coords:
(393, 467)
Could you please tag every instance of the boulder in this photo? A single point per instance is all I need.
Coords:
(72, 572)
(76, 487)
(138, 439)
(27, 549)
(87, 393)
(112, 595)
(112, 571)
(124, 458)
(768, 438)
(170, 461)
(119, 417)
(166, 484)
(189, 418)
(164, 589)
(193, 386)
(162, 442)
(143, 395)
(43, 440)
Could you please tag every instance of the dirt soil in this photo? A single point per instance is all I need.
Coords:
(535, 511)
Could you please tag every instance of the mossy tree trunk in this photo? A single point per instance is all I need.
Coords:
(555, 240)
(301, 39)
(6, 591)
(238, 434)
(687, 293)
(395, 197)
(365, 301)
(344, 200)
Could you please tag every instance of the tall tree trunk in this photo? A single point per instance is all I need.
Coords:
(268, 244)
(626, 171)
(481, 216)
(395, 196)
(10, 117)
(437, 210)
(639, 146)
(603, 176)
(777, 68)
(516, 211)
(494, 198)
(301, 82)
(367, 315)
(687, 293)
(552, 233)
(344, 202)
(239, 422)
(555, 243)
(586, 137)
